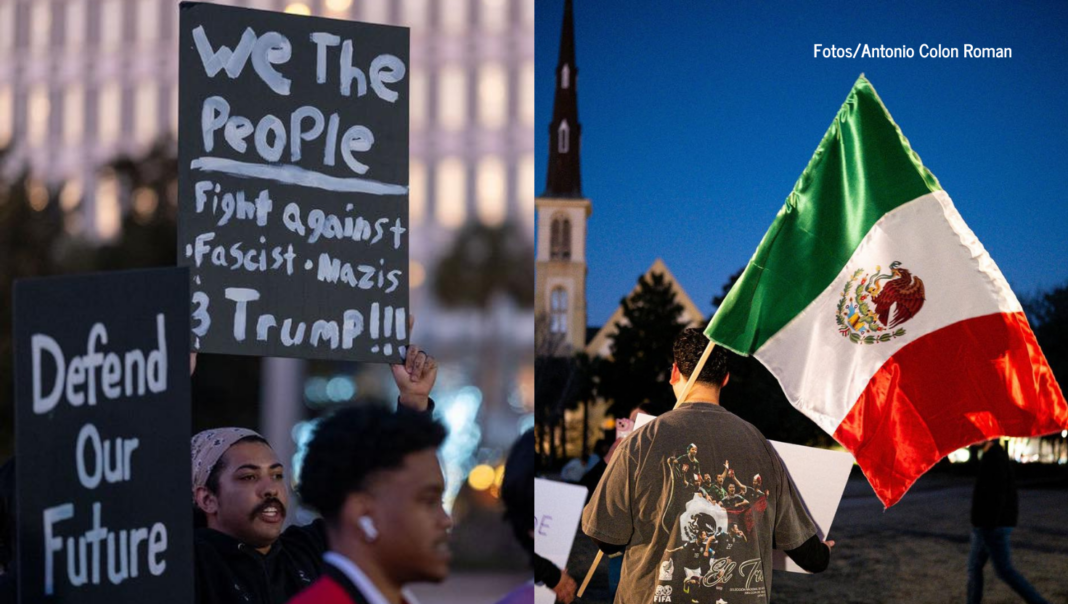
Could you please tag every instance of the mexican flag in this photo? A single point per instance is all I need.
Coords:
(882, 316)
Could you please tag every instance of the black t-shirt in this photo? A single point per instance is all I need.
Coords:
(994, 501)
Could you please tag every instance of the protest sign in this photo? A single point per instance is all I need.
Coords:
(102, 438)
(820, 477)
(293, 183)
(557, 511)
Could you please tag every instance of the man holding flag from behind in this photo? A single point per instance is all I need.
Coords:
(882, 316)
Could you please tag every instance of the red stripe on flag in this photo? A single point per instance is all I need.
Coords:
(962, 384)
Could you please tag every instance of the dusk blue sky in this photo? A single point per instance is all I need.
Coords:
(699, 115)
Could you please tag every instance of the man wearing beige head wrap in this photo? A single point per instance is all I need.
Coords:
(240, 498)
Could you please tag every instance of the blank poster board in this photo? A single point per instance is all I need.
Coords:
(557, 511)
(820, 477)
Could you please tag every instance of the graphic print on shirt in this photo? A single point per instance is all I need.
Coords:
(712, 553)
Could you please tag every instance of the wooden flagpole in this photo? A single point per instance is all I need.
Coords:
(589, 574)
(696, 371)
(685, 391)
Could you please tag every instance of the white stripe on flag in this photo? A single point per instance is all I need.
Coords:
(822, 372)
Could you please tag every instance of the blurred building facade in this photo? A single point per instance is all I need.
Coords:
(82, 81)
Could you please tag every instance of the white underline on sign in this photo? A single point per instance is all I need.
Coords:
(295, 175)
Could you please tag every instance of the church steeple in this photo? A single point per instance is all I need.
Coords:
(563, 214)
(565, 133)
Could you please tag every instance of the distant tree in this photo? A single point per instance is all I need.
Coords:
(485, 262)
(149, 235)
(718, 299)
(225, 388)
(641, 349)
(1048, 315)
(31, 224)
(754, 395)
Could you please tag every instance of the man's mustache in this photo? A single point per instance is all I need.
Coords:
(269, 502)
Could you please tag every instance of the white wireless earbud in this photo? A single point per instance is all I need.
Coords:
(368, 527)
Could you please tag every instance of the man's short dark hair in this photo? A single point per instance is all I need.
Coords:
(200, 519)
(517, 489)
(689, 347)
(352, 445)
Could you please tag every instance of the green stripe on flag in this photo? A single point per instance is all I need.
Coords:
(862, 169)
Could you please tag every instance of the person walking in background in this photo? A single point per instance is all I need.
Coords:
(994, 512)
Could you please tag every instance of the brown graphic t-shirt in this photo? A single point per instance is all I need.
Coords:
(700, 499)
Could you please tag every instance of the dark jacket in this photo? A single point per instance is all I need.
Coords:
(228, 571)
(546, 572)
(994, 502)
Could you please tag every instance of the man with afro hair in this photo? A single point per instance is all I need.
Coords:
(374, 476)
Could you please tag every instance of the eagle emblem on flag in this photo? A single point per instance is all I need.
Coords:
(874, 305)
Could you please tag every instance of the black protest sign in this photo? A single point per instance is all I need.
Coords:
(102, 438)
(293, 183)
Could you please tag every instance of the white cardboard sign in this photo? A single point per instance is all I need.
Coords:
(557, 511)
(642, 419)
(820, 477)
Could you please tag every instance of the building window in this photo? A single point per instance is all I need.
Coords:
(528, 14)
(174, 112)
(338, 8)
(414, 12)
(560, 239)
(111, 34)
(450, 192)
(452, 98)
(494, 15)
(108, 214)
(6, 111)
(417, 94)
(558, 311)
(492, 96)
(39, 113)
(416, 192)
(491, 191)
(146, 110)
(40, 25)
(7, 25)
(109, 111)
(375, 11)
(74, 114)
(524, 187)
(148, 17)
(526, 94)
(75, 26)
(453, 14)
(565, 77)
(563, 137)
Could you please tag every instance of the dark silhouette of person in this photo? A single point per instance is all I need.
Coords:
(994, 512)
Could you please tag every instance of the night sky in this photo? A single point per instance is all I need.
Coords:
(698, 117)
